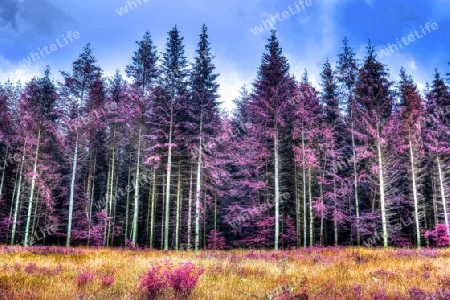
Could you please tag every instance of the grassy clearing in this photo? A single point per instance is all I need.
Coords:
(316, 273)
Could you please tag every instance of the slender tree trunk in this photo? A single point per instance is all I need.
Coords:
(33, 185)
(382, 193)
(189, 221)
(111, 185)
(152, 213)
(114, 210)
(414, 187)
(91, 191)
(198, 191)
(107, 207)
(17, 202)
(127, 209)
(321, 217)
(434, 188)
(336, 232)
(297, 209)
(277, 189)
(311, 214)
(304, 188)
(163, 214)
(136, 189)
(441, 184)
(149, 212)
(168, 180)
(355, 183)
(72, 191)
(178, 212)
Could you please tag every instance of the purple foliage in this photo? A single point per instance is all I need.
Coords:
(184, 278)
(85, 278)
(439, 235)
(163, 276)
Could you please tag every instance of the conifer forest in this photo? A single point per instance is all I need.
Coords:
(155, 162)
(193, 150)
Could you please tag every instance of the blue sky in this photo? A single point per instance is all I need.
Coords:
(308, 34)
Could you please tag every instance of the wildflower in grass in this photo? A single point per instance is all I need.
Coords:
(154, 283)
(108, 277)
(84, 278)
(184, 278)
(107, 280)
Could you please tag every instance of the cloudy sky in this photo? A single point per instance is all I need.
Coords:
(310, 32)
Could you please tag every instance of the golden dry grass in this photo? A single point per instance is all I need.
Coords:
(328, 273)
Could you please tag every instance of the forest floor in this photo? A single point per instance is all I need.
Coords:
(311, 273)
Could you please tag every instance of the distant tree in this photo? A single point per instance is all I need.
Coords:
(203, 114)
(411, 115)
(143, 69)
(373, 104)
(76, 88)
(269, 111)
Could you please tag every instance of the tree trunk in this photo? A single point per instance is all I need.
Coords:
(355, 185)
(297, 209)
(91, 191)
(178, 212)
(304, 188)
(127, 209)
(107, 207)
(136, 190)
(17, 203)
(189, 221)
(111, 185)
(277, 190)
(414, 187)
(382, 194)
(168, 180)
(198, 192)
(33, 185)
(152, 216)
(72, 191)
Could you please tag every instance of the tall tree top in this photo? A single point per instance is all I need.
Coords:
(203, 79)
(329, 92)
(410, 99)
(84, 73)
(440, 89)
(274, 65)
(347, 66)
(373, 87)
(174, 65)
(143, 68)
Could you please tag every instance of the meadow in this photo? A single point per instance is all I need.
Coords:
(311, 273)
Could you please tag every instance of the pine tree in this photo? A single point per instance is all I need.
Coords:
(203, 114)
(347, 73)
(143, 69)
(144, 72)
(76, 89)
(412, 116)
(374, 101)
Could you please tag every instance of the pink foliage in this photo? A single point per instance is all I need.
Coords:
(184, 278)
(84, 278)
(163, 276)
(439, 235)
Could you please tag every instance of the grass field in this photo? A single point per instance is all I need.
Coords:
(314, 273)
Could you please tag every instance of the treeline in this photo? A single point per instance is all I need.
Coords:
(155, 162)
